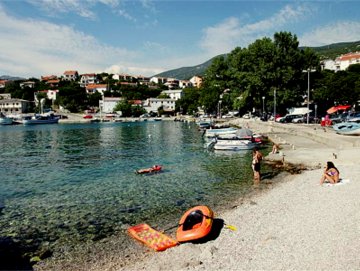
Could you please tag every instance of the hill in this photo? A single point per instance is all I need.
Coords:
(185, 73)
(328, 51)
(334, 50)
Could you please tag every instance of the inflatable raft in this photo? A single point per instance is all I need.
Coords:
(195, 224)
(153, 169)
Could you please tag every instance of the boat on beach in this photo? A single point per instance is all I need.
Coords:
(41, 119)
(4, 120)
(347, 128)
(195, 224)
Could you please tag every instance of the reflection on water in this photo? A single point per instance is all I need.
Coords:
(67, 185)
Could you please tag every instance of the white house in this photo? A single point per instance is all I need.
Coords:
(88, 78)
(158, 80)
(51, 94)
(107, 104)
(71, 75)
(174, 94)
(153, 104)
(14, 106)
(342, 62)
(185, 83)
(29, 84)
(92, 88)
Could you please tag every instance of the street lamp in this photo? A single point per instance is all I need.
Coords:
(308, 94)
(274, 104)
(263, 99)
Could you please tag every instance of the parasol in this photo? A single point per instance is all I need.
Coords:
(337, 108)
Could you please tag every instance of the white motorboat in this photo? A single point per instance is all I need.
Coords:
(234, 144)
(347, 128)
(220, 132)
(4, 120)
(41, 119)
(242, 140)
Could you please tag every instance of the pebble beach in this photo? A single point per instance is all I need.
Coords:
(292, 224)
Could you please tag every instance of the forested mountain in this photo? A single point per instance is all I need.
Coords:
(328, 51)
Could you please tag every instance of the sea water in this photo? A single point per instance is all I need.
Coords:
(64, 185)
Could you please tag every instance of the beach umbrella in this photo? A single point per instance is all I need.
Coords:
(337, 108)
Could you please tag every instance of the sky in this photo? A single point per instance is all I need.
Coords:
(146, 37)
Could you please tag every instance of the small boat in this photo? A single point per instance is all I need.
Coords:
(243, 139)
(153, 169)
(4, 120)
(41, 119)
(220, 132)
(347, 128)
(195, 224)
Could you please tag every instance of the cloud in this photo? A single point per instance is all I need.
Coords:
(231, 33)
(34, 47)
(345, 31)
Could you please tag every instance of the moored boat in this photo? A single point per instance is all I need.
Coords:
(41, 119)
(4, 120)
(220, 132)
(195, 224)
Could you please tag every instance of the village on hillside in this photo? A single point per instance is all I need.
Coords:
(171, 88)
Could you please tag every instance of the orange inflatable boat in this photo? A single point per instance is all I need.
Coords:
(195, 224)
(153, 169)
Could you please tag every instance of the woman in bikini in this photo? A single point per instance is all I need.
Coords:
(331, 174)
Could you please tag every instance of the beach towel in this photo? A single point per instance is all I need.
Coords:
(341, 182)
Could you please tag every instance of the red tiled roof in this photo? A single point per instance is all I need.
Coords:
(92, 86)
(349, 56)
(70, 72)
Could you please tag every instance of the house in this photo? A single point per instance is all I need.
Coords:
(71, 75)
(107, 104)
(14, 106)
(153, 105)
(174, 94)
(172, 83)
(196, 81)
(93, 88)
(48, 77)
(123, 77)
(158, 80)
(3, 83)
(185, 84)
(28, 84)
(342, 62)
(143, 80)
(4, 96)
(51, 80)
(88, 78)
(51, 94)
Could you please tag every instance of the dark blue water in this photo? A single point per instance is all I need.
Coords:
(65, 185)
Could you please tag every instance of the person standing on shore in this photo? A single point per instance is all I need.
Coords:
(331, 173)
(257, 157)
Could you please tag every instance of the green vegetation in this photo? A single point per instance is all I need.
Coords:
(246, 79)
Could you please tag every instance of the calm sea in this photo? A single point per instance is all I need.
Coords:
(65, 185)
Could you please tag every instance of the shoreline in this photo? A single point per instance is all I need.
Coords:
(295, 225)
(283, 225)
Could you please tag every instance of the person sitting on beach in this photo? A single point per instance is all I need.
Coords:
(331, 174)
(257, 157)
(275, 148)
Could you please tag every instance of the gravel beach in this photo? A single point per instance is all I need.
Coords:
(295, 225)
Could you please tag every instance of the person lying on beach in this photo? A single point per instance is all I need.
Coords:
(331, 174)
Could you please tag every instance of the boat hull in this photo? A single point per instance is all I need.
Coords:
(6, 121)
(236, 144)
(31, 122)
(195, 224)
(347, 128)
